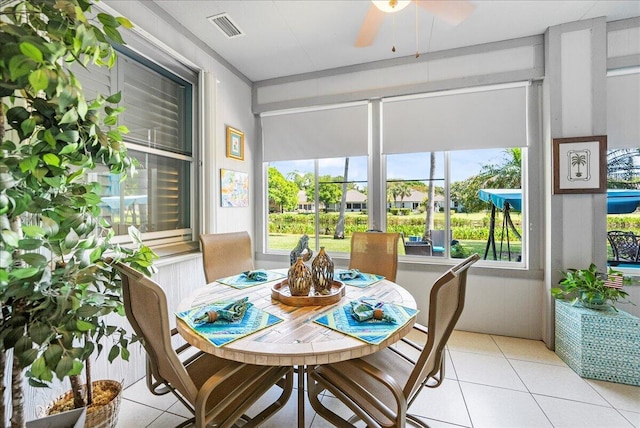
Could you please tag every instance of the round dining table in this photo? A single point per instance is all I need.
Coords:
(297, 340)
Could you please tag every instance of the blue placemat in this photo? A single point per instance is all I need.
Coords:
(222, 332)
(241, 280)
(371, 331)
(363, 279)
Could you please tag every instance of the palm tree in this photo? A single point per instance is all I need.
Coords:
(428, 221)
(404, 190)
(339, 233)
(393, 190)
(506, 174)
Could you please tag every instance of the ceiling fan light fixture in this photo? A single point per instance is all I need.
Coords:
(391, 6)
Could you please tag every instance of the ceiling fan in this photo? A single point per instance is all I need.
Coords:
(450, 11)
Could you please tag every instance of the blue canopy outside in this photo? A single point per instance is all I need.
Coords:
(500, 196)
(619, 201)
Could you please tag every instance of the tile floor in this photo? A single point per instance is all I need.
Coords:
(491, 381)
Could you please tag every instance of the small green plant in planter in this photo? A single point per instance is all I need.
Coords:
(592, 289)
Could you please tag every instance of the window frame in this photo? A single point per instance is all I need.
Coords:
(167, 242)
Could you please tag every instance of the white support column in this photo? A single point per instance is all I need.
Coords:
(575, 106)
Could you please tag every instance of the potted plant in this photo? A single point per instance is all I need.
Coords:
(57, 281)
(592, 289)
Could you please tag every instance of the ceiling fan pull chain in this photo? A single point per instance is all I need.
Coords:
(417, 51)
(393, 17)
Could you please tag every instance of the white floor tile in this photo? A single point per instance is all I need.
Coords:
(620, 396)
(336, 406)
(572, 414)
(179, 409)
(556, 381)
(473, 342)
(498, 376)
(139, 393)
(528, 350)
(288, 415)
(167, 420)
(136, 415)
(486, 370)
(492, 407)
(444, 403)
(449, 367)
(439, 424)
(632, 417)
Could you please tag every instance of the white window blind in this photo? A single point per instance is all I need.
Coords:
(623, 111)
(456, 120)
(338, 131)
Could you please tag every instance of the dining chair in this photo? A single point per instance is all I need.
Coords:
(215, 390)
(375, 252)
(225, 254)
(379, 388)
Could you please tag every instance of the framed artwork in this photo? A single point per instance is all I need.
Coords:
(580, 165)
(235, 143)
(234, 189)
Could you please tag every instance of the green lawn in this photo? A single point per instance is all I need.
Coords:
(288, 241)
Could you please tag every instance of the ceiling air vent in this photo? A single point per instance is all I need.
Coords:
(226, 25)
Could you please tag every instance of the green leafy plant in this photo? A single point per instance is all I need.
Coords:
(590, 287)
(57, 280)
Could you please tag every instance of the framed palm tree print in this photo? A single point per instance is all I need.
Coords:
(580, 165)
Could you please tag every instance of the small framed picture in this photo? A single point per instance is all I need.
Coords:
(235, 143)
(580, 165)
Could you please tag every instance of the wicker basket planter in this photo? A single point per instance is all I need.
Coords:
(99, 415)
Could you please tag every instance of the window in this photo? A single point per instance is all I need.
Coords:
(464, 214)
(623, 168)
(450, 208)
(293, 198)
(315, 159)
(440, 168)
(159, 115)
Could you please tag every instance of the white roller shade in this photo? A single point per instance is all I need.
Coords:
(623, 111)
(455, 120)
(316, 134)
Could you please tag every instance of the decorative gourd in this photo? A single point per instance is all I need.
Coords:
(322, 272)
(299, 278)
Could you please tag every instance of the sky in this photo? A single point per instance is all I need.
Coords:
(464, 164)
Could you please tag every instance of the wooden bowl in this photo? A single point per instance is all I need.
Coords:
(281, 292)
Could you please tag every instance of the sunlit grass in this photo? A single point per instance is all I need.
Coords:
(287, 242)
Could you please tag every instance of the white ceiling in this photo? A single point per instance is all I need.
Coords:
(286, 37)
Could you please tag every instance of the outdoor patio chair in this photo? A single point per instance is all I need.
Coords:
(379, 388)
(215, 390)
(624, 246)
(375, 252)
(225, 254)
(417, 248)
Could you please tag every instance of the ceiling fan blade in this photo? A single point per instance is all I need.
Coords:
(452, 12)
(370, 27)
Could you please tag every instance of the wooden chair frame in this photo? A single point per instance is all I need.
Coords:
(379, 388)
(375, 252)
(225, 254)
(215, 390)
